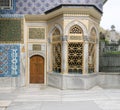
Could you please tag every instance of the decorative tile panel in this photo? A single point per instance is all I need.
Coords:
(9, 60)
(36, 33)
(37, 47)
(11, 30)
(40, 6)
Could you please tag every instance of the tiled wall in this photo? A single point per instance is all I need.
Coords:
(9, 60)
(11, 30)
(40, 6)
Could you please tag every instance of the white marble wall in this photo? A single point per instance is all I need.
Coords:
(72, 81)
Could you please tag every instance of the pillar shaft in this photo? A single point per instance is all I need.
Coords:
(85, 58)
(97, 57)
(64, 55)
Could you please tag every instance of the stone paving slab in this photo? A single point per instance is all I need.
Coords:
(81, 105)
(35, 98)
(2, 108)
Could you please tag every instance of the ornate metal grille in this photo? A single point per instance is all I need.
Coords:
(56, 51)
(91, 62)
(76, 33)
(76, 30)
(56, 36)
(56, 57)
(56, 32)
(75, 57)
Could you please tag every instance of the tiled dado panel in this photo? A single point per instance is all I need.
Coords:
(40, 6)
(9, 60)
(11, 30)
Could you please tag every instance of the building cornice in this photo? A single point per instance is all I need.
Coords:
(73, 6)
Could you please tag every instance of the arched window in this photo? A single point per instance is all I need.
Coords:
(75, 50)
(76, 33)
(92, 50)
(93, 35)
(56, 51)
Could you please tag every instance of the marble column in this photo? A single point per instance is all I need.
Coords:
(97, 57)
(85, 56)
(49, 54)
(64, 66)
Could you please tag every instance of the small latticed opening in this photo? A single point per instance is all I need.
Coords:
(76, 33)
(56, 35)
(56, 32)
(76, 30)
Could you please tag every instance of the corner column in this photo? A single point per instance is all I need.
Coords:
(97, 57)
(85, 56)
(64, 58)
(49, 55)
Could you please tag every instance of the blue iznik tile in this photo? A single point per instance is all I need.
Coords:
(9, 60)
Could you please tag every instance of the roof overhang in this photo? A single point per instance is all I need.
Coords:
(73, 6)
(84, 10)
(104, 1)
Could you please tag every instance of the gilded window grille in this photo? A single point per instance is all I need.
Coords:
(56, 51)
(56, 47)
(75, 57)
(91, 58)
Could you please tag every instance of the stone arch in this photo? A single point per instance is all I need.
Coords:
(36, 53)
(97, 33)
(83, 27)
(58, 26)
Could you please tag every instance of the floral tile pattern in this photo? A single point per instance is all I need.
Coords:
(9, 60)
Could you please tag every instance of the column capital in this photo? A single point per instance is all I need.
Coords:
(49, 40)
(86, 38)
(64, 38)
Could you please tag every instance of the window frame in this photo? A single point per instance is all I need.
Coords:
(10, 6)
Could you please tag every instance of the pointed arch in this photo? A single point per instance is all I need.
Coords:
(94, 29)
(83, 27)
(58, 26)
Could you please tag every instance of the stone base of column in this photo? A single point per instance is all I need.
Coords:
(72, 81)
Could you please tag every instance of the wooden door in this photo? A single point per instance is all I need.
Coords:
(36, 69)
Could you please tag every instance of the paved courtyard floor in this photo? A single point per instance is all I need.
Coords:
(38, 97)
